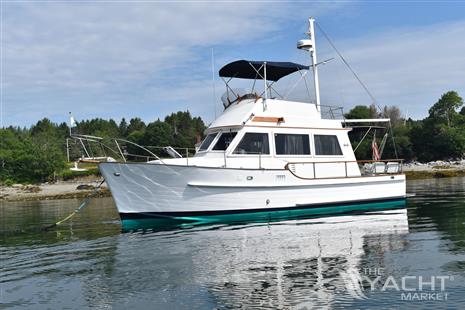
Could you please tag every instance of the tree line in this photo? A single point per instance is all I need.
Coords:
(439, 136)
(39, 153)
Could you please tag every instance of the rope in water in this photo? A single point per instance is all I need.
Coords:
(78, 209)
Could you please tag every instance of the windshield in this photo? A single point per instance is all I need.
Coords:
(208, 140)
(224, 141)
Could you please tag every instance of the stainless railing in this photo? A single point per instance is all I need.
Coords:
(366, 168)
(332, 112)
(121, 149)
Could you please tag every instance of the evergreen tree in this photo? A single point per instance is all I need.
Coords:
(123, 128)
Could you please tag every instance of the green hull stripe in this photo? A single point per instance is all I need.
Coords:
(263, 216)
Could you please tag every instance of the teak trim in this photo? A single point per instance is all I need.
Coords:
(268, 119)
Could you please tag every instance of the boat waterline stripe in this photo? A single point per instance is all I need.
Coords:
(141, 215)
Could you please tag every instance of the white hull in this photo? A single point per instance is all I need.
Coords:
(175, 190)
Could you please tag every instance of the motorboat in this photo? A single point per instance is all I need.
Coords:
(264, 156)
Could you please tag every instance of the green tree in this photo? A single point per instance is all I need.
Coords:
(98, 127)
(361, 111)
(400, 131)
(158, 133)
(123, 128)
(445, 108)
(135, 124)
(442, 134)
(28, 158)
(402, 140)
(394, 114)
(187, 131)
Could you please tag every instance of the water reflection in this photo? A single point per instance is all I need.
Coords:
(304, 263)
(21, 222)
(439, 204)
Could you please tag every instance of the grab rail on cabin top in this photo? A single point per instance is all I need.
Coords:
(370, 170)
(332, 112)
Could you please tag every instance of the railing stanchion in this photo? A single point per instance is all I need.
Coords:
(345, 163)
(187, 156)
(259, 160)
(224, 156)
(119, 149)
(314, 170)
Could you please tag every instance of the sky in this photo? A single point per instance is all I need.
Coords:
(147, 59)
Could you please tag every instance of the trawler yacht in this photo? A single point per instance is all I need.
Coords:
(263, 156)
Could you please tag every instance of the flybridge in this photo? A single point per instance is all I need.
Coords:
(270, 71)
(256, 70)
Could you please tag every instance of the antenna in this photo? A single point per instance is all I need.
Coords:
(310, 46)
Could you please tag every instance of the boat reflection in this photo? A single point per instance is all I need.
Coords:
(304, 263)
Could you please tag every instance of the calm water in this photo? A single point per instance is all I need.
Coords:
(302, 264)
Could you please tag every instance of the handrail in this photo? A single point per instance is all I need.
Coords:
(141, 156)
(313, 163)
(347, 161)
(174, 147)
(121, 152)
(332, 111)
(140, 146)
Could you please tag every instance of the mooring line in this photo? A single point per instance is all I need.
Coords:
(77, 210)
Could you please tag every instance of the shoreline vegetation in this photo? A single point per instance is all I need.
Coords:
(34, 161)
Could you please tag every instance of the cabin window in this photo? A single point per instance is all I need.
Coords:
(207, 141)
(292, 144)
(224, 141)
(327, 145)
(253, 143)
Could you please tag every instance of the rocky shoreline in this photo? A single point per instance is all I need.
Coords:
(434, 169)
(84, 186)
(48, 191)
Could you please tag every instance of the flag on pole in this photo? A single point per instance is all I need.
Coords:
(374, 148)
(72, 121)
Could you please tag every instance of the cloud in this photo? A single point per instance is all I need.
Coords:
(407, 67)
(150, 59)
(105, 59)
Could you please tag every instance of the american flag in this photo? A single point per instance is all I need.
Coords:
(374, 148)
